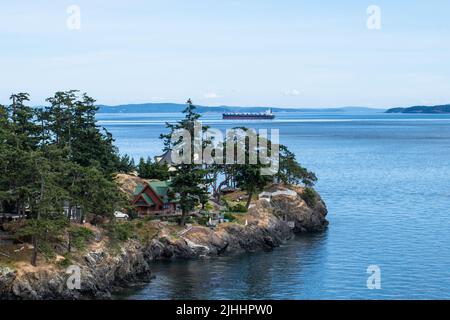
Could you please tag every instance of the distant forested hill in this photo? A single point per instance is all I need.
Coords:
(422, 109)
(175, 107)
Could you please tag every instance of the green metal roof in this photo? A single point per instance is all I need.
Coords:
(139, 189)
(160, 187)
(147, 198)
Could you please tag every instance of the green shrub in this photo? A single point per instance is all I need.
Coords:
(133, 215)
(239, 207)
(140, 225)
(79, 236)
(229, 217)
(235, 207)
(121, 231)
(310, 197)
(47, 250)
(151, 218)
(208, 206)
(163, 239)
(66, 262)
(203, 221)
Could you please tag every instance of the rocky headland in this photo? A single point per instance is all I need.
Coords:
(269, 222)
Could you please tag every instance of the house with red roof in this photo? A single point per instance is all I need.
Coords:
(155, 198)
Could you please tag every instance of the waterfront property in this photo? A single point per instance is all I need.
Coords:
(166, 159)
(155, 198)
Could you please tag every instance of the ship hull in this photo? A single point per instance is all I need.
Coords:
(248, 117)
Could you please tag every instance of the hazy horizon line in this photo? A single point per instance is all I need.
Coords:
(236, 106)
(269, 106)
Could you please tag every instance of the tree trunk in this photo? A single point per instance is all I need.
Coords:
(183, 217)
(249, 200)
(34, 238)
(218, 193)
(34, 254)
(14, 109)
(69, 245)
(69, 216)
(22, 211)
(81, 216)
(219, 197)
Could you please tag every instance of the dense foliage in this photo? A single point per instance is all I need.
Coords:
(55, 158)
(193, 181)
(148, 169)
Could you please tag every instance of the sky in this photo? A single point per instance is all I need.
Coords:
(282, 53)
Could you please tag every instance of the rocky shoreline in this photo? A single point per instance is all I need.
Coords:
(268, 224)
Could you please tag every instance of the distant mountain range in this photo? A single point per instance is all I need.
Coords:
(175, 108)
(422, 109)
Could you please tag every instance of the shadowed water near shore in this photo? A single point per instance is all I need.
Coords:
(384, 178)
(260, 275)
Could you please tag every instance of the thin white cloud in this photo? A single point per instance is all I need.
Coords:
(211, 95)
(293, 92)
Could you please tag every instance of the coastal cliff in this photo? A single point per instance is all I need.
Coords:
(104, 269)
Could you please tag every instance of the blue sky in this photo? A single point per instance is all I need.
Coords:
(247, 52)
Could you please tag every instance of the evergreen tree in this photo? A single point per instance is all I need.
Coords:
(248, 176)
(290, 171)
(53, 156)
(71, 121)
(189, 179)
(126, 164)
(25, 130)
(147, 169)
(45, 196)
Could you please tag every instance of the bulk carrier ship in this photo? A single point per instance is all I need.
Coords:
(268, 115)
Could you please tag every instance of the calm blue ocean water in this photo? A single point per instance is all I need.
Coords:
(386, 181)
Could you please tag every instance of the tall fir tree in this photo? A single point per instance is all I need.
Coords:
(190, 178)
